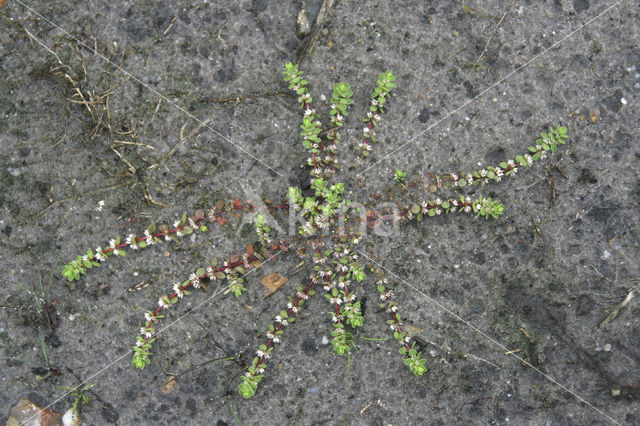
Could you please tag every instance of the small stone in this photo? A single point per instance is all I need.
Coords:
(623, 101)
(303, 26)
(615, 392)
(324, 340)
(607, 347)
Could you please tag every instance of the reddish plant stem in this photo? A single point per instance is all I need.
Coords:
(289, 311)
(395, 323)
(203, 277)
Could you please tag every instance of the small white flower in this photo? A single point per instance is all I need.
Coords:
(99, 255)
(528, 159)
(85, 258)
(469, 179)
(149, 317)
(149, 238)
(146, 332)
(179, 292)
(131, 240)
(195, 281)
(100, 205)
(336, 300)
(163, 303)
(112, 243)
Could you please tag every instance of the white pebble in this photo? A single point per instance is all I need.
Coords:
(623, 101)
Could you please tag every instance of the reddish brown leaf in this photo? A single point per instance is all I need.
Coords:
(272, 283)
(170, 384)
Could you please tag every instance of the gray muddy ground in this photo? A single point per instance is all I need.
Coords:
(478, 81)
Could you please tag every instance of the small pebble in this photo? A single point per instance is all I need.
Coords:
(623, 101)
(324, 340)
(607, 347)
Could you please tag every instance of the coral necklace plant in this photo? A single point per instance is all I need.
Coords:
(331, 228)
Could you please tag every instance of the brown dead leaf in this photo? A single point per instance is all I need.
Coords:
(27, 412)
(272, 283)
(595, 115)
(170, 384)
